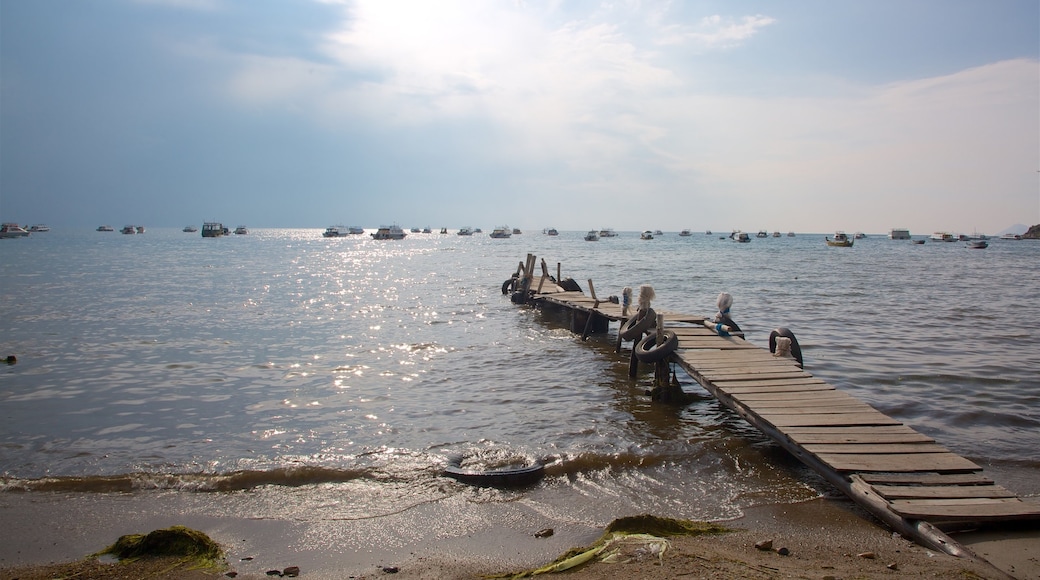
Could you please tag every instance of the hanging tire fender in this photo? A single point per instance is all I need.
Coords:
(648, 351)
(635, 327)
(508, 285)
(796, 350)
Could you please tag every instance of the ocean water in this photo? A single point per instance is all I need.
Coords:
(273, 370)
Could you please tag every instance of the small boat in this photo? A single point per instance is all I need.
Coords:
(739, 236)
(416, 230)
(551, 232)
(190, 229)
(859, 235)
(39, 228)
(1011, 237)
(790, 234)
(943, 237)
(761, 234)
(685, 233)
(647, 235)
(658, 233)
(140, 229)
(478, 231)
(501, 232)
(241, 230)
(841, 240)
(334, 232)
(592, 236)
(355, 230)
(128, 230)
(465, 231)
(899, 234)
(213, 230)
(607, 233)
(707, 232)
(444, 230)
(427, 230)
(776, 234)
(918, 241)
(517, 232)
(13, 230)
(392, 232)
(978, 244)
(105, 229)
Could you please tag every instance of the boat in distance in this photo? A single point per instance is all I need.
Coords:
(213, 230)
(189, 229)
(241, 230)
(501, 232)
(899, 234)
(685, 233)
(647, 235)
(466, 231)
(392, 232)
(13, 230)
(105, 229)
(334, 232)
(607, 233)
(39, 228)
(592, 236)
(841, 240)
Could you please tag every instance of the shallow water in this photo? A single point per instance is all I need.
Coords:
(295, 366)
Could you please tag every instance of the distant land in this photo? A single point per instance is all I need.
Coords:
(1017, 229)
(1033, 233)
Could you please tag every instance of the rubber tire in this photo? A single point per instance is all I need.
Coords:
(796, 350)
(647, 350)
(508, 285)
(635, 327)
(498, 478)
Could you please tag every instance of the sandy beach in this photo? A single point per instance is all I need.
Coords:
(49, 535)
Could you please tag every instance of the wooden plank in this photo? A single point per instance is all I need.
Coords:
(851, 429)
(719, 377)
(876, 447)
(785, 382)
(808, 439)
(938, 462)
(926, 478)
(942, 492)
(833, 396)
(792, 420)
(860, 409)
(962, 510)
(805, 403)
(751, 387)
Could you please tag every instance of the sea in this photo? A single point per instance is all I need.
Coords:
(278, 368)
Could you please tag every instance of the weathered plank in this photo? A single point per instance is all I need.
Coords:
(793, 420)
(876, 447)
(948, 511)
(938, 462)
(807, 439)
(926, 479)
(763, 387)
(942, 492)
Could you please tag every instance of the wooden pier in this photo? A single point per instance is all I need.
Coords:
(906, 479)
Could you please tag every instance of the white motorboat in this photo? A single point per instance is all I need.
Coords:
(393, 232)
(607, 233)
(39, 228)
(334, 232)
(128, 230)
(466, 231)
(501, 232)
(241, 230)
(592, 236)
(190, 229)
(13, 230)
(685, 233)
(646, 235)
(105, 229)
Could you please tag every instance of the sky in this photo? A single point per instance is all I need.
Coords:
(808, 116)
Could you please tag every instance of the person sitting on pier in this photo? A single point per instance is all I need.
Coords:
(724, 302)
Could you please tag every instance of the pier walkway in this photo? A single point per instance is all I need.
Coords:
(906, 479)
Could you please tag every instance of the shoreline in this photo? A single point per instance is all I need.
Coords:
(825, 537)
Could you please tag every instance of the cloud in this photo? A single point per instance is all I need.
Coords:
(715, 32)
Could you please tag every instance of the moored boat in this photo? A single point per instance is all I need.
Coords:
(334, 232)
(355, 230)
(391, 232)
(647, 235)
(685, 233)
(39, 228)
(607, 233)
(12, 230)
(978, 244)
(501, 232)
(739, 236)
(128, 230)
(899, 234)
(105, 229)
(139, 229)
(761, 234)
(841, 240)
(466, 231)
(592, 236)
(943, 237)
(213, 230)
(190, 229)
(551, 232)
(241, 230)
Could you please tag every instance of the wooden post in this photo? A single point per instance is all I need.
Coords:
(592, 292)
(558, 273)
(633, 363)
(661, 367)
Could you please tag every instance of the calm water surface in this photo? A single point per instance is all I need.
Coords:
(292, 366)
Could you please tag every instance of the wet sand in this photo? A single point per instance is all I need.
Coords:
(45, 535)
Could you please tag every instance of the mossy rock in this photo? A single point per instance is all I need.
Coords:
(175, 541)
(662, 527)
